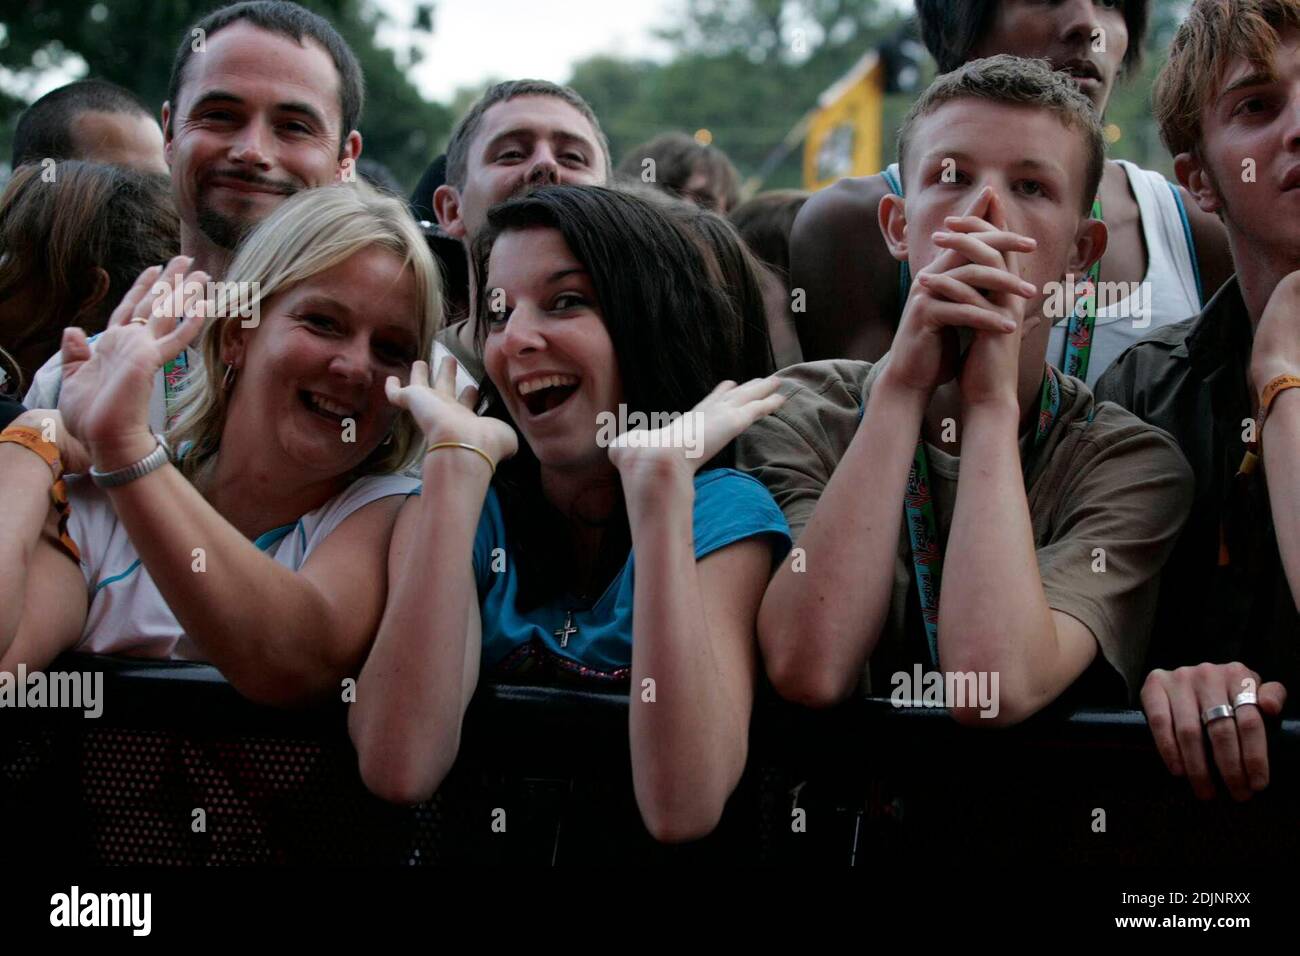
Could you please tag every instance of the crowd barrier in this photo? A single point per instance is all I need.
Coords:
(179, 770)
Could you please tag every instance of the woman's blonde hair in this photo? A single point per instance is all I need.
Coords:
(312, 231)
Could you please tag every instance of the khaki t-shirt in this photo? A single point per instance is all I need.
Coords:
(1104, 490)
(468, 360)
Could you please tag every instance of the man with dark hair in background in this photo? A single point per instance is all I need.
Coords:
(264, 100)
(518, 136)
(91, 120)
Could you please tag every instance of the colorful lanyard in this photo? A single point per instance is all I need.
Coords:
(923, 529)
(174, 373)
(1078, 335)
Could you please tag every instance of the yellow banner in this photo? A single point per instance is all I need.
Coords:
(844, 134)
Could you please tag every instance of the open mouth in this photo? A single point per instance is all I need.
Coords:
(326, 408)
(546, 393)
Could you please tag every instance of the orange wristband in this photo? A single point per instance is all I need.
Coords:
(1270, 392)
(33, 441)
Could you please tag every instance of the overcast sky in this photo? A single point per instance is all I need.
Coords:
(475, 40)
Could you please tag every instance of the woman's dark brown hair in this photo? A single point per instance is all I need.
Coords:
(59, 223)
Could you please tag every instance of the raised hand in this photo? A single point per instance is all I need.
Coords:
(686, 443)
(967, 287)
(991, 371)
(104, 398)
(444, 417)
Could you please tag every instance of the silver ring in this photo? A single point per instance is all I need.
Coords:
(1216, 713)
(1244, 698)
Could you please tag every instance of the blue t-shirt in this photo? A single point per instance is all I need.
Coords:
(729, 507)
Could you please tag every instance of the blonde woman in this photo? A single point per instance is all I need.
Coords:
(256, 536)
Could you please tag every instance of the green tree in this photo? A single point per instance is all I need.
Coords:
(745, 70)
(133, 44)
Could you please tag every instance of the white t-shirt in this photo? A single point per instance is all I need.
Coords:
(44, 392)
(128, 615)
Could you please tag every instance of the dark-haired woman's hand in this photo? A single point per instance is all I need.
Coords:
(104, 398)
(683, 445)
(443, 417)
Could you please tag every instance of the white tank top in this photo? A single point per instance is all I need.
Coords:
(1170, 292)
(128, 615)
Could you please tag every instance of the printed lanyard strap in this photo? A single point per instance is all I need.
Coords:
(1083, 320)
(923, 529)
(174, 373)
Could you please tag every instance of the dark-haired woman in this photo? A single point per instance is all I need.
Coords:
(519, 553)
(71, 245)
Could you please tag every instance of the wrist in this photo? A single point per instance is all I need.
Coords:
(890, 388)
(121, 452)
(998, 408)
(646, 477)
(454, 463)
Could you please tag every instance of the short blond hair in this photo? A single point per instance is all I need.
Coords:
(1215, 33)
(1019, 81)
(312, 231)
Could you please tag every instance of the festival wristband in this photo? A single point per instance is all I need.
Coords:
(33, 441)
(1271, 391)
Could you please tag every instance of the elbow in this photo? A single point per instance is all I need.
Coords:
(391, 770)
(394, 783)
(985, 704)
(278, 689)
(802, 671)
(973, 715)
(397, 776)
(670, 818)
(287, 681)
(815, 686)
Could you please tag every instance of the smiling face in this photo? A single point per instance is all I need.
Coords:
(548, 353)
(257, 118)
(521, 144)
(1066, 33)
(321, 355)
(1036, 164)
(1252, 125)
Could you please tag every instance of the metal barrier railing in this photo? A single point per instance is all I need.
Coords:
(181, 770)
